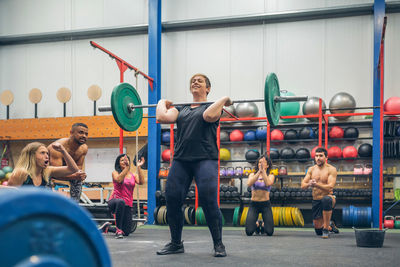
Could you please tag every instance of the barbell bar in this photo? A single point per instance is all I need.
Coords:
(127, 107)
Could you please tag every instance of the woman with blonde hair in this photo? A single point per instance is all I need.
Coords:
(33, 167)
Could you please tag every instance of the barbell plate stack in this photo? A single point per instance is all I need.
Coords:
(272, 107)
(128, 119)
(48, 228)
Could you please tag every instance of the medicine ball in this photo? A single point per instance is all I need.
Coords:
(252, 155)
(349, 152)
(224, 154)
(317, 132)
(250, 135)
(350, 132)
(261, 133)
(277, 135)
(287, 153)
(291, 135)
(236, 135)
(365, 150)
(336, 132)
(306, 133)
(273, 153)
(334, 152)
(7, 169)
(223, 136)
(302, 154)
(313, 152)
(392, 104)
(165, 137)
(2, 174)
(166, 155)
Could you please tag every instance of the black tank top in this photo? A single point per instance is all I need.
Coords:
(29, 182)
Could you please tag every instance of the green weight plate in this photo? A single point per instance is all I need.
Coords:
(223, 219)
(122, 95)
(236, 216)
(271, 90)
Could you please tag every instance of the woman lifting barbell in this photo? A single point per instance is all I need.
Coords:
(33, 167)
(196, 155)
(260, 183)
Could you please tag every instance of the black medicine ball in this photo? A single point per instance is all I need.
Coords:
(291, 135)
(350, 132)
(365, 150)
(287, 153)
(303, 154)
(306, 133)
(274, 153)
(252, 155)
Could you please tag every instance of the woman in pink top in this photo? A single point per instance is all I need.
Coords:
(120, 203)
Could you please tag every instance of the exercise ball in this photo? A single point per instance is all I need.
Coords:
(291, 135)
(273, 153)
(7, 169)
(277, 135)
(302, 154)
(250, 135)
(230, 109)
(289, 108)
(166, 155)
(223, 136)
(317, 132)
(5, 183)
(350, 132)
(334, 152)
(224, 154)
(306, 133)
(313, 151)
(8, 175)
(165, 137)
(236, 135)
(342, 100)
(311, 106)
(365, 150)
(248, 109)
(252, 155)
(392, 104)
(336, 132)
(2, 174)
(350, 152)
(287, 153)
(261, 133)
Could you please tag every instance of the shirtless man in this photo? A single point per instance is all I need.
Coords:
(76, 146)
(322, 179)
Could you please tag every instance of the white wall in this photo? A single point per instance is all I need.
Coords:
(318, 57)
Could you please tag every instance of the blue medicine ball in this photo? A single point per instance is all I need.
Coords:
(250, 136)
(165, 138)
(261, 133)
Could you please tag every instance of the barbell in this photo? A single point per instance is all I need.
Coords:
(127, 108)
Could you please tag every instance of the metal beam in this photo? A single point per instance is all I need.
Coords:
(196, 24)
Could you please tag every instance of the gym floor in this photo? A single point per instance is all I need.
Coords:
(287, 247)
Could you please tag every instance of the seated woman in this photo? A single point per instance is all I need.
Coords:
(260, 183)
(33, 167)
(120, 203)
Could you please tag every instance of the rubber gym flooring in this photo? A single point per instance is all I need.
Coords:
(287, 247)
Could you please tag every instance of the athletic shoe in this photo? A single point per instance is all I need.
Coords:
(333, 228)
(219, 250)
(119, 234)
(104, 227)
(172, 248)
(258, 230)
(325, 233)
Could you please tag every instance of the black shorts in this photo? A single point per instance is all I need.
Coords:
(317, 209)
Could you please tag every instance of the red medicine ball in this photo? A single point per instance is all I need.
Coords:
(350, 152)
(236, 135)
(334, 152)
(336, 132)
(277, 135)
(166, 155)
(313, 152)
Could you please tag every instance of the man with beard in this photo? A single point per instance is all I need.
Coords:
(76, 147)
(322, 179)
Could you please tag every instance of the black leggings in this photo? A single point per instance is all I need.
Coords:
(205, 173)
(255, 208)
(123, 215)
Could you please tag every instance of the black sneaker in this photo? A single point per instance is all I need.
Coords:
(333, 228)
(219, 250)
(171, 248)
(104, 227)
(258, 230)
(325, 233)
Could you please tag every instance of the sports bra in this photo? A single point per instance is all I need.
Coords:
(260, 185)
(29, 181)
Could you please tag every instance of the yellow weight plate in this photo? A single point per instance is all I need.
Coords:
(260, 217)
(244, 216)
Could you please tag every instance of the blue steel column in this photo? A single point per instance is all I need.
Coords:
(379, 14)
(154, 130)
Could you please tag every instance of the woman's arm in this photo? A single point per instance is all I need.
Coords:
(140, 179)
(18, 177)
(119, 177)
(253, 178)
(268, 179)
